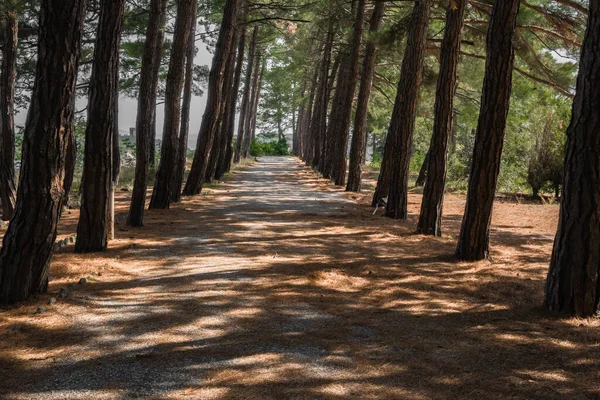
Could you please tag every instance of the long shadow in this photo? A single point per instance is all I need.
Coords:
(269, 298)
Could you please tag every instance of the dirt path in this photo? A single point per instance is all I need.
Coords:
(275, 285)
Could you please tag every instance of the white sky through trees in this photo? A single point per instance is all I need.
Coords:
(128, 106)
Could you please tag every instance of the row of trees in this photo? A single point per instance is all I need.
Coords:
(310, 82)
(324, 116)
(48, 153)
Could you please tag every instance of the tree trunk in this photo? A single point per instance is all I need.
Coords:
(163, 184)
(430, 219)
(341, 116)
(184, 129)
(403, 122)
(298, 141)
(27, 246)
(573, 283)
(385, 171)
(157, 54)
(325, 160)
(473, 242)
(220, 144)
(146, 110)
(423, 171)
(320, 112)
(70, 160)
(294, 131)
(251, 118)
(257, 99)
(97, 165)
(225, 44)
(307, 140)
(115, 158)
(359, 136)
(8, 76)
(227, 153)
(245, 108)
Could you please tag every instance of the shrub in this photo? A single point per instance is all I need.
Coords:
(271, 148)
(546, 163)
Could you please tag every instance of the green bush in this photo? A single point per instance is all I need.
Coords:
(272, 148)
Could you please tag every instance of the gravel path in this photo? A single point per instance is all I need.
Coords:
(196, 305)
(275, 285)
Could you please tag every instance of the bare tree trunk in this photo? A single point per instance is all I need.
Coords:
(423, 171)
(359, 136)
(257, 99)
(320, 112)
(245, 109)
(146, 110)
(220, 143)
(70, 159)
(341, 116)
(226, 155)
(298, 128)
(251, 118)
(184, 129)
(115, 159)
(430, 219)
(97, 166)
(573, 283)
(473, 242)
(158, 55)
(403, 121)
(215, 99)
(163, 184)
(325, 160)
(8, 76)
(307, 140)
(27, 245)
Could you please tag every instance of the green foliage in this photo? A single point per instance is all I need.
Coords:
(270, 148)
(547, 161)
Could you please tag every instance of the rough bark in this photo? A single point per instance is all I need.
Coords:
(245, 107)
(8, 76)
(307, 139)
(115, 158)
(430, 219)
(167, 168)
(225, 44)
(219, 146)
(146, 110)
(359, 136)
(339, 126)
(97, 164)
(257, 99)
(385, 171)
(573, 283)
(294, 130)
(423, 171)
(158, 55)
(27, 244)
(70, 160)
(226, 155)
(403, 122)
(319, 118)
(325, 159)
(473, 242)
(298, 134)
(251, 119)
(186, 102)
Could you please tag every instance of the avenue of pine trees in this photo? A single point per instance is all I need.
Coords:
(314, 68)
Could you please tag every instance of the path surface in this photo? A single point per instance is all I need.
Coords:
(276, 286)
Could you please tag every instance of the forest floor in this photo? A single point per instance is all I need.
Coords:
(277, 285)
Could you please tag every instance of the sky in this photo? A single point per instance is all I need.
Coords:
(128, 106)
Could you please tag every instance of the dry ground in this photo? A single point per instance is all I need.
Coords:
(276, 285)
